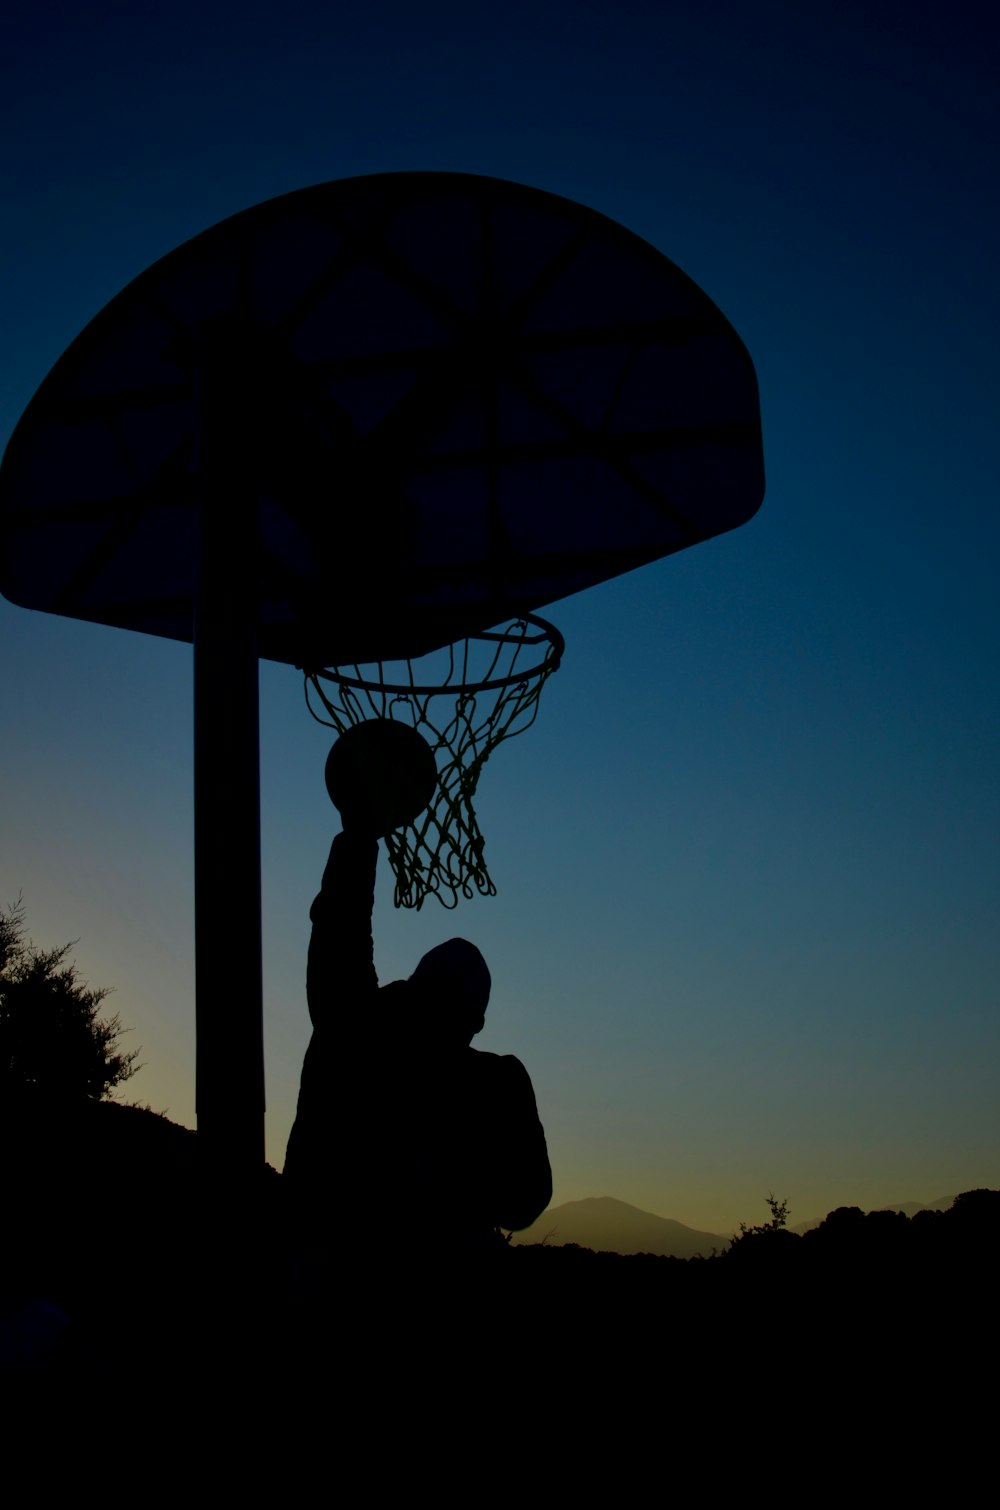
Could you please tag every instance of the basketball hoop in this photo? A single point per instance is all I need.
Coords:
(464, 700)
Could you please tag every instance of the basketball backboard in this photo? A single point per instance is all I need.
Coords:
(455, 400)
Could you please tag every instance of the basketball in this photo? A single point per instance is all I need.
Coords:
(380, 776)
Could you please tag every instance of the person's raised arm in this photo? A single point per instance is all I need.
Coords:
(341, 967)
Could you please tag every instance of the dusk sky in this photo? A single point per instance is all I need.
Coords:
(745, 935)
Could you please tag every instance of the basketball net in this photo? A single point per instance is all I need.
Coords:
(464, 700)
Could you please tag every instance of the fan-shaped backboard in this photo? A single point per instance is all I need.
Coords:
(453, 400)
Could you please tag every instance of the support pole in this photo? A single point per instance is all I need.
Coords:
(228, 973)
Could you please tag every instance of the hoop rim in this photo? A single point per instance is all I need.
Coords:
(547, 632)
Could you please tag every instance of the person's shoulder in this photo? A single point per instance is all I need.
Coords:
(505, 1067)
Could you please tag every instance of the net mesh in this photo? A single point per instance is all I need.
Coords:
(465, 700)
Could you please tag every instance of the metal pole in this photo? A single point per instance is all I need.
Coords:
(228, 975)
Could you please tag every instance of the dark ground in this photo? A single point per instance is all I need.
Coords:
(124, 1261)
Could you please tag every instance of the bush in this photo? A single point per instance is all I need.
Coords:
(778, 1222)
(52, 1040)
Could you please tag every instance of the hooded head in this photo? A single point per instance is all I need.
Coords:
(454, 981)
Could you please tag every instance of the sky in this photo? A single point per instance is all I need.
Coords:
(744, 937)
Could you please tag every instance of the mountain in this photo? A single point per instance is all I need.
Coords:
(603, 1223)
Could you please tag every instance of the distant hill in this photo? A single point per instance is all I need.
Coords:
(909, 1208)
(603, 1223)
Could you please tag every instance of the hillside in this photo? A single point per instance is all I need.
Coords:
(603, 1223)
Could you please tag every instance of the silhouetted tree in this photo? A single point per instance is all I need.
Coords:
(52, 1040)
(766, 1243)
(779, 1219)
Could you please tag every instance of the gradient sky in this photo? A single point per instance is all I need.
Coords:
(745, 937)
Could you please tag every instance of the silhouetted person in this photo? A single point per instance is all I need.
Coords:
(405, 1138)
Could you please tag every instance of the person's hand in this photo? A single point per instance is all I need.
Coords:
(358, 816)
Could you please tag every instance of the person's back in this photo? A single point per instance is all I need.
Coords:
(457, 1145)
